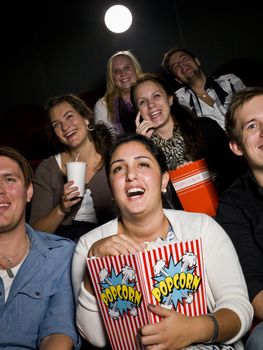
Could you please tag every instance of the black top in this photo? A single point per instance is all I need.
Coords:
(240, 213)
(220, 159)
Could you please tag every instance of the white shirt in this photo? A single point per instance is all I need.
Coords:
(228, 83)
(101, 112)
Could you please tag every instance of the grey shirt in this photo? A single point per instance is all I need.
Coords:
(48, 185)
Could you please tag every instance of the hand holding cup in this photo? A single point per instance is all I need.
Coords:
(76, 172)
(75, 187)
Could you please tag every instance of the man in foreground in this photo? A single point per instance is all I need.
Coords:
(240, 210)
(37, 308)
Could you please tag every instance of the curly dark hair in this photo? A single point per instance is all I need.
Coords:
(101, 135)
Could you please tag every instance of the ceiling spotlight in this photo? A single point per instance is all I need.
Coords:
(118, 18)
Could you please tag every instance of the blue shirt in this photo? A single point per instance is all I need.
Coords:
(40, 301)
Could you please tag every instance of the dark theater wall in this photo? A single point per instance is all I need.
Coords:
(50, 47)
(63, 46)
(223, 31)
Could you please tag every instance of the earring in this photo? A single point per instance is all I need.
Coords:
(164, 190)
(90, 128)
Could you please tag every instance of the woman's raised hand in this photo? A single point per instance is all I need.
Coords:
(144, 127)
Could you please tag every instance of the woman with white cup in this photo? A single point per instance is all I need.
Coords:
(56, 205)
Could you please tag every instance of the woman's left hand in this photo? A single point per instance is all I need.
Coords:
(173, 332)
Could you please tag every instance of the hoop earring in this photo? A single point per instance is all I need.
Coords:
(90, 128)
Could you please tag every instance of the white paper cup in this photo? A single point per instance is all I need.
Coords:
(76, 171)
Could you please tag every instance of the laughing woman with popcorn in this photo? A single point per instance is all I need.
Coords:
(138, 178)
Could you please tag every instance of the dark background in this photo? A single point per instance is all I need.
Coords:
(53, 47)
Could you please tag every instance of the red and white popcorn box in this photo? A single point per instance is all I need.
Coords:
(171, 276)
(195, 187)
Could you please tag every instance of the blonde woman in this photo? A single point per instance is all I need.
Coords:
(115, 107)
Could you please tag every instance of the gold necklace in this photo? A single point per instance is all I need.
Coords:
(203, 95)
(11, 261)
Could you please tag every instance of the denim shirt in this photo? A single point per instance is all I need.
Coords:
(40, 301)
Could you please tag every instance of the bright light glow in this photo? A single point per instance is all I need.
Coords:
(118, 18)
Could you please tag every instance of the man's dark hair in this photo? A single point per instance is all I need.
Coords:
(13, 154)
(167, 56)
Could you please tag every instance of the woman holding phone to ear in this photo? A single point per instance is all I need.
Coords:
(56, 207)
(180, 134)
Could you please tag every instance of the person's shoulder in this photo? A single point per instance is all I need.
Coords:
(227, 77)
(105, 230)
(101, 102)
(240, 194)
(101, 111)
(210, 127)
(183, 216)
(239, 188)
(45, 167)
(47, 162)
(208, 121)
(50, 240)
(183, 96)
(53, 239)
(238, 200)
(192, 225)
(181, 92)
(99, 180)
